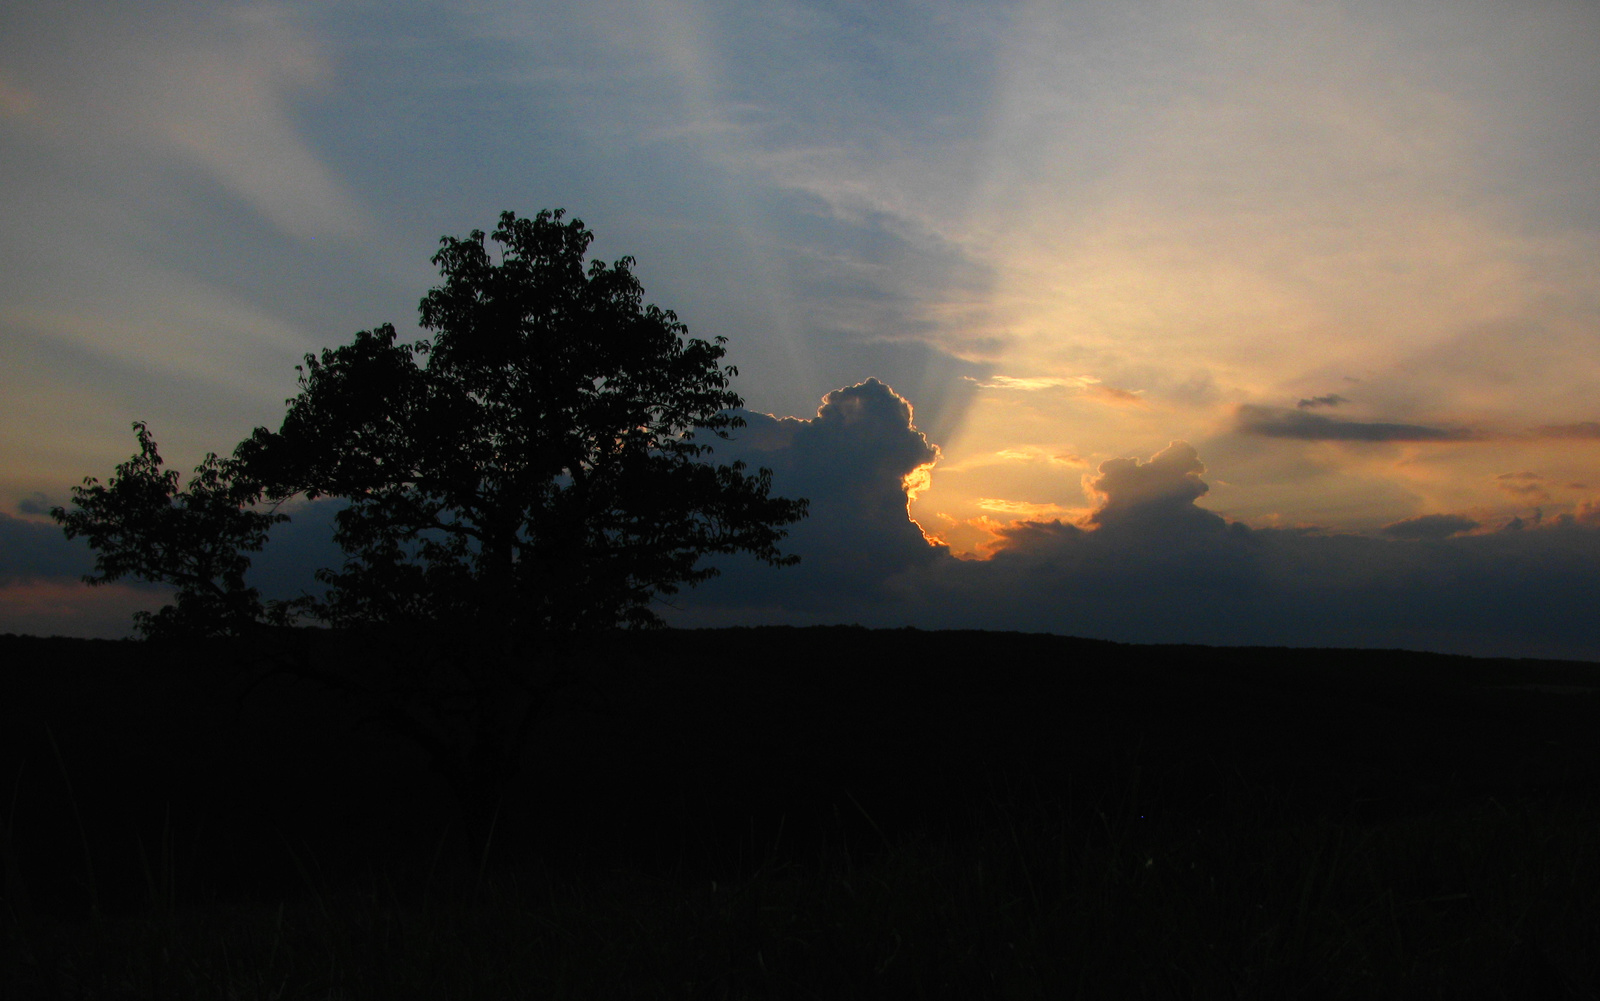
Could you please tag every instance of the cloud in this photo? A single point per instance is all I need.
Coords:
(1161, 489)
(72, 608)
(36, 504)
(1087, 383)
(186, 85)
(1033, 453)
(1429, 527)
(1115, 396)
(1586, 430)
(1025, 508)
(1331, 400)
(1148, 564)
(296, 549)
(1268, 422)
(41, 573)
(1524, 486)
(1165, 570)
(854, 462)
(34, 550)
(1587, 513)
(1034, 383)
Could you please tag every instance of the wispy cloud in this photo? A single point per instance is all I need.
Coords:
(1022, 509)
(213, 88)
(1115, 396)
(1429, 527)
(1583, 430)
(1034, 383)
(1033, 453)
(1331, 400)
(1527, 486)
(1268, 422)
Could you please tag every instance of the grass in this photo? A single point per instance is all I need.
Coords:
(1023, 901)
(1204, 824)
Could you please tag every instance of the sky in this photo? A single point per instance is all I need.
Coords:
(1192, 322)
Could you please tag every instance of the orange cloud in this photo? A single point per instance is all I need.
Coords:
(1524, 485)
(1021, 508)
(1587, 512)
(1583, 430)
(1114, 396)
(1032, 453)
(1033, 383)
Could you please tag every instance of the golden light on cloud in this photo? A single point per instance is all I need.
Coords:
(1116, 397)
(1033, 453)
(1334, 226)
(1033, 384)
(915, 483)
(1022, 509)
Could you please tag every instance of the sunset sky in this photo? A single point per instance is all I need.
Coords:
(1218, 322)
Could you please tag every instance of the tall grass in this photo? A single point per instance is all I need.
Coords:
(1020, 900)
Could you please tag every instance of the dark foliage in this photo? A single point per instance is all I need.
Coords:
(540, 468)
(142, 525)
(541, 465)
(543, 468)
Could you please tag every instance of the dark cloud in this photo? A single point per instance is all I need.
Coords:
(1163, 574)
(1150, 565)
(296, 549)
(1331, 400)
(1268, 422)
(37, 550)
(1526, 486)
(1157, 495)
(1582, 429)
(1429, 526)
(851, 461)
(942, 385)
(36, 504)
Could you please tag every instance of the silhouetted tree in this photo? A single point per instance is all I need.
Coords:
(542, 468)
(537, 469)
(141, 525)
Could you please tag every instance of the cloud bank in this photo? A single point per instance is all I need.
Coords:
(1147, 563)
(1267, 422)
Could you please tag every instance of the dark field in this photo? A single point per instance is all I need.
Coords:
(815, 813)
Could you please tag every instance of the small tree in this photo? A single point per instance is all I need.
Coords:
(142, 525)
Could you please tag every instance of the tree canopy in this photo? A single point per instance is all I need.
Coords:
(541, 463)
(142, 525)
